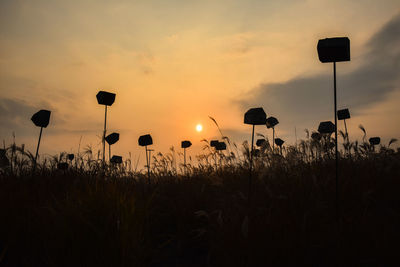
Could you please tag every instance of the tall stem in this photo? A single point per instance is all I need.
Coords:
(336, 143)
(347, 137)
(184, 159)
(251, 165)
(149, 150)
(252, 145)
(104, 134)
(37, 149)
(273, 139)
(148, 165)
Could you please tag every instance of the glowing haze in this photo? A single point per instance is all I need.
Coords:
(174, 63)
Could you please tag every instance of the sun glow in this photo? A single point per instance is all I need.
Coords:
(199, 127)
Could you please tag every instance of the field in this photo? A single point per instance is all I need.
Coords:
(90, 216)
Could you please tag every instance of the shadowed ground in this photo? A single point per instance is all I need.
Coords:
(78, 219)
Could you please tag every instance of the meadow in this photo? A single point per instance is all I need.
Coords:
(92, 214)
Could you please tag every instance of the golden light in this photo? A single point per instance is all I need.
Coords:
(199, 127)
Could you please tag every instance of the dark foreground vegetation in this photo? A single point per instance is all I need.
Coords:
(86, 217)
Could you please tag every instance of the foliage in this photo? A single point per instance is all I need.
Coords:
(110, 215)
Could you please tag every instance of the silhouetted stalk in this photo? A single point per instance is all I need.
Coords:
(104, 134)
(37, 149)
(336, 143)
(251, 165)
(184, 160)
(273, 139)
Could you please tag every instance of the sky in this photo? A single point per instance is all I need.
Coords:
(174, 63)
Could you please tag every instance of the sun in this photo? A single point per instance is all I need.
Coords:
(199, 127)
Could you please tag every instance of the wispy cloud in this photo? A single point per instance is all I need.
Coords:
(15, 114)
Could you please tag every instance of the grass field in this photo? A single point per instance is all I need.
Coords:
(85, 216)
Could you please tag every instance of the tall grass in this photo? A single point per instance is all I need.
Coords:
(88, 215)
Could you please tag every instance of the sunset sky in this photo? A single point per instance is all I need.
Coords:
(173, 63)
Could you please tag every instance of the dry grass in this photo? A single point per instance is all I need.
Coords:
(87, 217)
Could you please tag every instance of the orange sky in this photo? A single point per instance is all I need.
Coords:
(172, 64)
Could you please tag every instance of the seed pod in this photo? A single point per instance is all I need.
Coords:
(41, 118)
(105, 98)
(255, 116)
(145, 140)
(334, 49)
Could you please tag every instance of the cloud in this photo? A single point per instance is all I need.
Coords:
(238, 44)
(15, 117)
(388, 38)
(306, 100)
